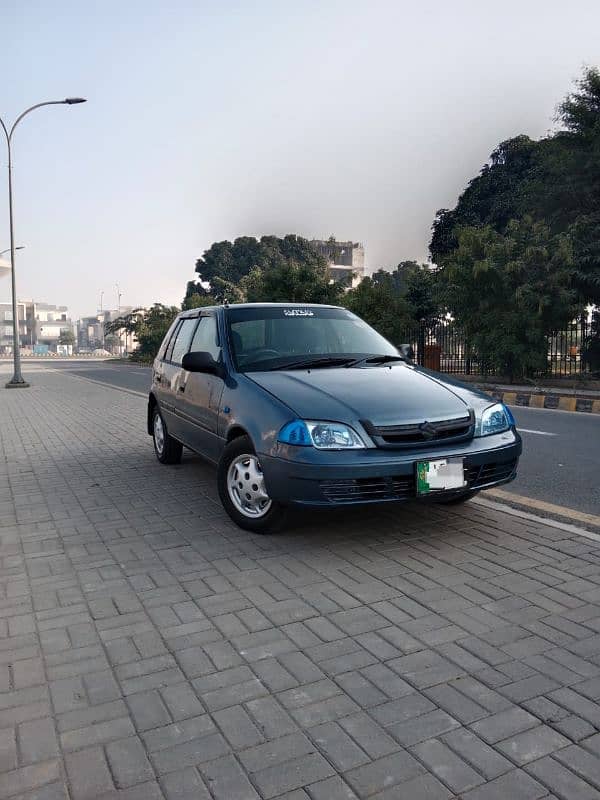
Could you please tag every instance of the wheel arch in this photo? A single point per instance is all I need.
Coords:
(235, 432)
(152, 404)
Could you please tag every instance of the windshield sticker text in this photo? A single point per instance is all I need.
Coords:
(298, 312)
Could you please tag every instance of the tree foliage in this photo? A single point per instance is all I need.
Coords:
(291, 280)
(194, 299)
(509, 291)
(555, 180)
(269, 269)
(393, 301)
(67, 337)
(148, 325)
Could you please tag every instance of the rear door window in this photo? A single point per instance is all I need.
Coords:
(206, 338)
(182, 341)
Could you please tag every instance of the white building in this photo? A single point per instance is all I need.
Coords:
(6, 326)
(346, 260)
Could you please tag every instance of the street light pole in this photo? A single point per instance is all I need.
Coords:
(17, 381)
(21, 247)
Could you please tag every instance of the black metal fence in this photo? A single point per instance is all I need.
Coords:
(444, 347)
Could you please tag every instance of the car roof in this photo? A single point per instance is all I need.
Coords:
(194, 312)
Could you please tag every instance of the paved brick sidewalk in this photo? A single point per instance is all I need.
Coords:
(150, 649)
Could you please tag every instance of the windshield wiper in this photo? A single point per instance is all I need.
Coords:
(382, 359)
(324, 361)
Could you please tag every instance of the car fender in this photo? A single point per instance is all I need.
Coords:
(248, 407)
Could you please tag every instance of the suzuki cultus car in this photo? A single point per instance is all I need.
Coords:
(306, 405)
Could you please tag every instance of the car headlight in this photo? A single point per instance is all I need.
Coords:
(322, 435)
(495, 419)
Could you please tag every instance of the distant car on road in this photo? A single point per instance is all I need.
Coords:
(306, 405)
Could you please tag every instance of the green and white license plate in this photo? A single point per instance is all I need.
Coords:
(441, 475)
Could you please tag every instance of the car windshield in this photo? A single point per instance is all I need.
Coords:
(281, 337)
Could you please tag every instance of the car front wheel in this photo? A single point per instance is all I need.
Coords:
(242, 489)
(167, 449)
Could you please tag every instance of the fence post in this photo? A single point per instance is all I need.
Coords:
(421, 343)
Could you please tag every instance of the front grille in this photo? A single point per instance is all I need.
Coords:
(490, 473)
(365, 489)
(425, 434)
(402, 487)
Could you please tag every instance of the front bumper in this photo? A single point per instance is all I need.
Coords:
(306, 476)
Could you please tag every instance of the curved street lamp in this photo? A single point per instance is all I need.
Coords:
(17, 381)
(21, 247)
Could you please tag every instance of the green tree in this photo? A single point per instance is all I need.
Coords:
(378, 301)
(555, 180)
(67, 337)
(148, 325)
(493, 197)
(419, 287)
(249, 267)
(111, 341)
(287, 279)
(230, 261)
(152, 326)
(197, 300)
(509, 291)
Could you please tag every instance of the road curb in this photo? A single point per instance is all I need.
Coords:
(562, 402)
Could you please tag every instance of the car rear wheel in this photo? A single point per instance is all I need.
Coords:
(167, 449)
(242, 489)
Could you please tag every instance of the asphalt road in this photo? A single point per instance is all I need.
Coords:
(561, 450)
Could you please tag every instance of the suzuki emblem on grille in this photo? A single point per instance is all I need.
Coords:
(428, 430)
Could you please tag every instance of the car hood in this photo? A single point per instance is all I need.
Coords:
(384, 395)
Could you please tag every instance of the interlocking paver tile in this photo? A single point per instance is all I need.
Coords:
(504, 724)
(457, 774)
(338, 747)
(561, 780)
(128, 762)
(184, 785)
(532, 744)
(516, 785)
(149, 649)
(383, 773)
(583, 763)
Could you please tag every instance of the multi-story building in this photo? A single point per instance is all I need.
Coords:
(6, 326)
(39, 324)
(91, 332)
(46, 323)
(346, 260)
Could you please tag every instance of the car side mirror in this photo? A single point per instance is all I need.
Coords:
(406, 351)
(201, 362)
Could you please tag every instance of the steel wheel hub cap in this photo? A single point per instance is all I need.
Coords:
(246, 486)
(159, 433)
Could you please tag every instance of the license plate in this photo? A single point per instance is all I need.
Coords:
(440, 475)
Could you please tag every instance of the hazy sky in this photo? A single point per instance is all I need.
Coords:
(210, 120)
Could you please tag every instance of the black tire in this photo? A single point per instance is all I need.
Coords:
(459, 499)
(264, 522)
(169, 450)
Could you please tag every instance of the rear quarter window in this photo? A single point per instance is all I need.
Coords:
(169, 341)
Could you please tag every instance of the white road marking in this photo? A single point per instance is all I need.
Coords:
(539, 433)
